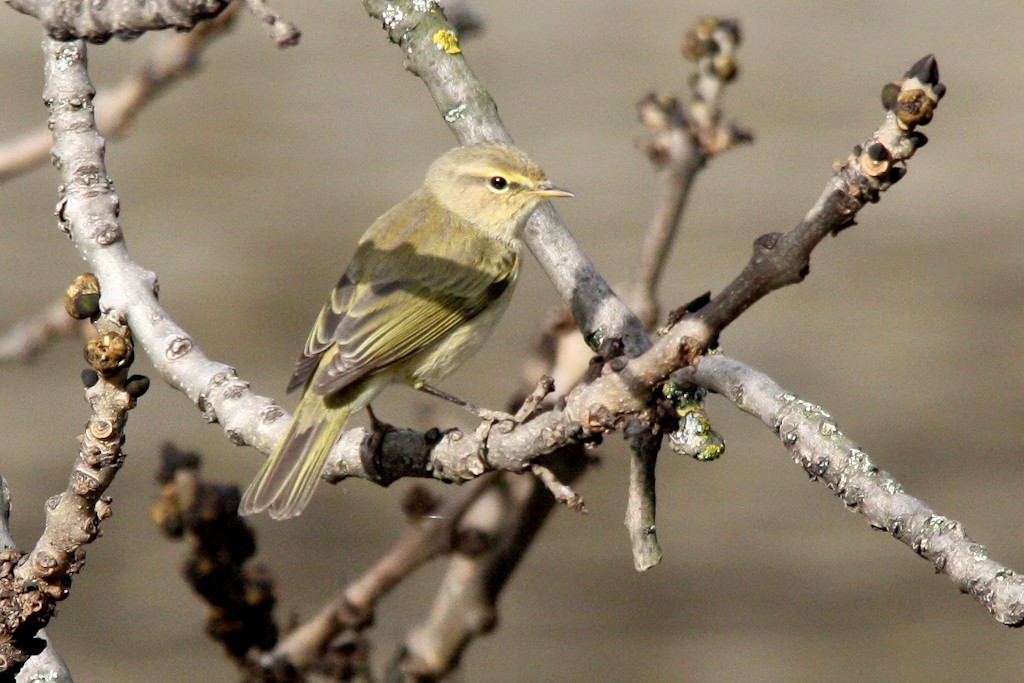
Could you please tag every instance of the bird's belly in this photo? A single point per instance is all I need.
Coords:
(445, 355)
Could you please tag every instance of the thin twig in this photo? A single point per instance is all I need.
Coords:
(30, 336)
(641, 503)
(781, 259)
(284, 32)
(509, 516)
(679, 143)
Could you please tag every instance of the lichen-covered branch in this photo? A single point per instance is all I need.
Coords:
(813, 438)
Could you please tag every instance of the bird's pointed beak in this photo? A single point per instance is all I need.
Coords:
(549, 191)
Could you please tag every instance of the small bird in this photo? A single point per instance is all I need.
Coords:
(428, 281)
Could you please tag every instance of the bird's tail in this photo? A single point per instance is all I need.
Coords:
(288, 477)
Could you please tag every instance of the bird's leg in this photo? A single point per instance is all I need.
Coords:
(492, 416)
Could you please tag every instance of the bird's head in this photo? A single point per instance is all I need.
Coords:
(493, 185)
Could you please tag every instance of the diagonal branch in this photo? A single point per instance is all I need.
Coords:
(816, 443)
(431, 51)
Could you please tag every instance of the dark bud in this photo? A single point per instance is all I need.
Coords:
(432, 436)
(699, 40)
(917, 139)
(875, 161)
(925, 70)
(612, 347)
(90, 377)
(84, 306)
(82, 297)
(634, 427)
(877, 152)
(890, 91)
(939, 89)
(733, 27)
(725, 67)
(896, 172)
(165, 512)
(767, 242)
(698, 303)
(136, 385)
(617, 364)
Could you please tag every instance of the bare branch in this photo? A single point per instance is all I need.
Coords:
(679, 144)
(175, 57)
(33, 583)
(783, 259)
(641, 504)
(99, 22)
(509, 517)
(816, 443)
(47, 665)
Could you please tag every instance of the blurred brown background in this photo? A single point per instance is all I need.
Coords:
(246, 188)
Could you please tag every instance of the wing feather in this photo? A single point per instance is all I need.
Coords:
(396, 300)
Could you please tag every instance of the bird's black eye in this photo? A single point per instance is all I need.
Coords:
(498, 183)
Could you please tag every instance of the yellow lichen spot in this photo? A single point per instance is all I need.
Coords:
(447, 40)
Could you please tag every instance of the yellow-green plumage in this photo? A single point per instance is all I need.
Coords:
(428, 281)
